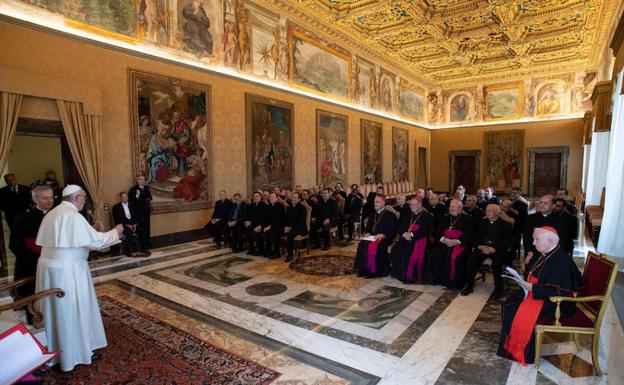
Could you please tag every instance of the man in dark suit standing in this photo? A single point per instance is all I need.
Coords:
(124, 213)
(141, 198)
(23, 236)
(14, 199)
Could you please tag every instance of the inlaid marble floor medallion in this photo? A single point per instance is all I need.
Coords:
(266, 289)
(330, 265)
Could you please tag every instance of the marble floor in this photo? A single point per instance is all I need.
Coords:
(320, 329)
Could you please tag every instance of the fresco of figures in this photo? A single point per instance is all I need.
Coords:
(503, 102)
(331, 144)
(400, 154)
(386, 92)
(317, 67)
(551, 98)
(371, 151)
(459, 108)
(411, 103)
(503, 158)
(364, 87)
(269, 143)
(171, 132)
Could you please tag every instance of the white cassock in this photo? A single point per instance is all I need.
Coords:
(73, 324)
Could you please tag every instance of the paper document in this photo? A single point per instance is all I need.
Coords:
(515, 276)
(370, 238)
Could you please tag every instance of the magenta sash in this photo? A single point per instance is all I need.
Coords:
(454, 234)
(417, 257)
(371, 261)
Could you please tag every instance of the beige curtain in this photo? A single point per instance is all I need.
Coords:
(10, 104)
(84, 137)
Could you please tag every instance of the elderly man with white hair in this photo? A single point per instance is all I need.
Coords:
(73, 323)
(552, 273)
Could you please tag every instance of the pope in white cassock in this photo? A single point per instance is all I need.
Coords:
(73, 324)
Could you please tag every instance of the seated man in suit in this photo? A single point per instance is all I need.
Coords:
(235, 225)
(253, 224)
(14, 199)
(492, 241)
(217, 226)
(401, 206)
(353, 209)
(326, 217)
(125, 214)
(295, 223)
(272, 226)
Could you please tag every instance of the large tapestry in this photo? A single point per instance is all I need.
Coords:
(503, 158)
(317, 67)
(371, 151)
(171, 130)
(331, 144)
(269, 143)
(503, 101)
(400, 154)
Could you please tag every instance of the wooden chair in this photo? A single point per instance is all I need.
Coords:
(298, 239)
(11, 312)
(591, 303)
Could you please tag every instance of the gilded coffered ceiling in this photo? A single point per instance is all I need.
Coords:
(457, 42)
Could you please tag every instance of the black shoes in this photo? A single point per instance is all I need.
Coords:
(467, 290)
(96, 356)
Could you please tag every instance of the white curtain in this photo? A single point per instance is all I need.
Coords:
(611, 240)
(597, 174)
(586, 152)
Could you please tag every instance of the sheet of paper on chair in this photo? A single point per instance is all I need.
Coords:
(370, 238)
(20, 354)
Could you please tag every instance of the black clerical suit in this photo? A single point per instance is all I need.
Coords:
(234, 233)
(353, 211)
(254, 217)
(272, 228)
(495, 234)
(341, 213)
(296, 215)
(141, 197)
(22, 244)
(383, 222)
(402, 210)
(369, 205)
(557, 275)
(402, 252)
(572, 229)
(553, 220)
(438, 211)
(441, 255)
(14, 201)
(325, 209)
(120, 217)
(476, 214)
(220, 213)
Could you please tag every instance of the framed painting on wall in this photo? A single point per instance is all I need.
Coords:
(170, 121)
(504, 101)
(318, 67)
(372, 141)
(269, 143)
(331, 145)
(411, 102)
(400, 154)
(503, 158)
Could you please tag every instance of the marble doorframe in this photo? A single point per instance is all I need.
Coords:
(452, 155)
(565, 154)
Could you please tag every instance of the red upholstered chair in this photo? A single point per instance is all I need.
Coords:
(591, 303)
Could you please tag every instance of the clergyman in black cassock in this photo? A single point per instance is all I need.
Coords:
(353, 209)
(141, 196)
(372, 259)
(553, 273)
(544, 216)
(253, 224)
(272, 226)
(22, 240)
(408, 255)
(325, 217)
(217, 226)
(492, 241)
(452, 246)
(235, 223)
(295, 223)
(437, 209)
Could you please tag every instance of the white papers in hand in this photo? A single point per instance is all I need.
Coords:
(370, 238)
(513, 275)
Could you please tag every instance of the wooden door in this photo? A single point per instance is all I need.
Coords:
(422, 168)
(547, 173)
(464, 173)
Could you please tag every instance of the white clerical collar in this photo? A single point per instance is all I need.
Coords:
(380, 211)
(124, 203)
(69, 204)
(42, 210)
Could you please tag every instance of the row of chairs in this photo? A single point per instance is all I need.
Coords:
(391, 189)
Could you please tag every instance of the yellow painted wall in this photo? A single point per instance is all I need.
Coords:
(74, 62)
(32, 156)
(537, 134)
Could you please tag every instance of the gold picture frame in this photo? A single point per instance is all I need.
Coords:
(416, 90)
(488, 90)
